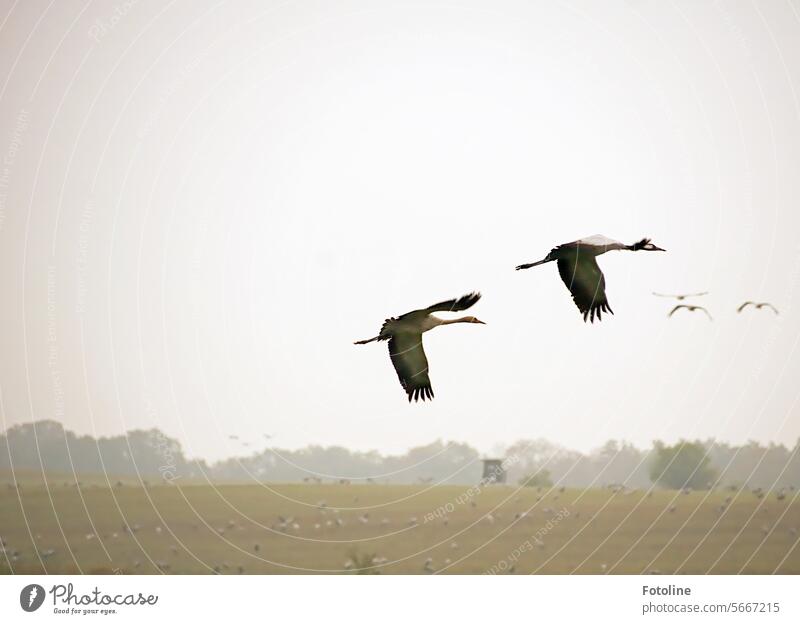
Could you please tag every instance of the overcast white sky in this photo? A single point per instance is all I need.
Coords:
(202, 206)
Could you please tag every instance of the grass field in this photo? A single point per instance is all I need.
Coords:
(299, 528)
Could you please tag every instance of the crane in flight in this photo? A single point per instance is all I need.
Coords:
(690, 308)
(404, 334)
(681, 297)
(757, 306)
(577, 266)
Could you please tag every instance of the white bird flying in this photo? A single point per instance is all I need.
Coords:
(681, 297)
(404, 334)
(690, 308)
(577, 265)
(758, 306)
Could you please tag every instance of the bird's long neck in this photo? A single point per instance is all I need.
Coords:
(434, 321)
(463, 319)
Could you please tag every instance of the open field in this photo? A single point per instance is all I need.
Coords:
(297, 528)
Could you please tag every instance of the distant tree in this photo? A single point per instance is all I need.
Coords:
(537, 479)
(618, 462)
(529, 456)
(46, 446)
(682, 465)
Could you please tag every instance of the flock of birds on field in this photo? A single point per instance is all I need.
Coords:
(578, 268)
(330, 518)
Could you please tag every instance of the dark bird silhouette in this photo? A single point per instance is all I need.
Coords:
(577, 266)
(757, 306)
(690, 308)
(681, 297)
(404, 334)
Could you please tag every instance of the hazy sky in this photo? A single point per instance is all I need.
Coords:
(202, 205)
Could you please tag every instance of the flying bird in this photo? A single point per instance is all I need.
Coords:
(681, 297)
(577, 265)
(758, 306)
(690, 308)
(404, 334)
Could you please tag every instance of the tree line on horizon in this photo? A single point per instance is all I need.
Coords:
(46, 446)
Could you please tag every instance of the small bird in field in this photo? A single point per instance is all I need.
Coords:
(404, 334)
(577, 266)
(690, 308)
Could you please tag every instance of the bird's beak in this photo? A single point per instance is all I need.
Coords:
(479, 321)
(658, 248)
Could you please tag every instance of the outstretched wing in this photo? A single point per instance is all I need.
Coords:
(682, 295)
(408, 358)
(690, 308)
(675, 309)
(708, 314)
(770, 306)
(455, 305)
(585, 281)
(744, 305)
